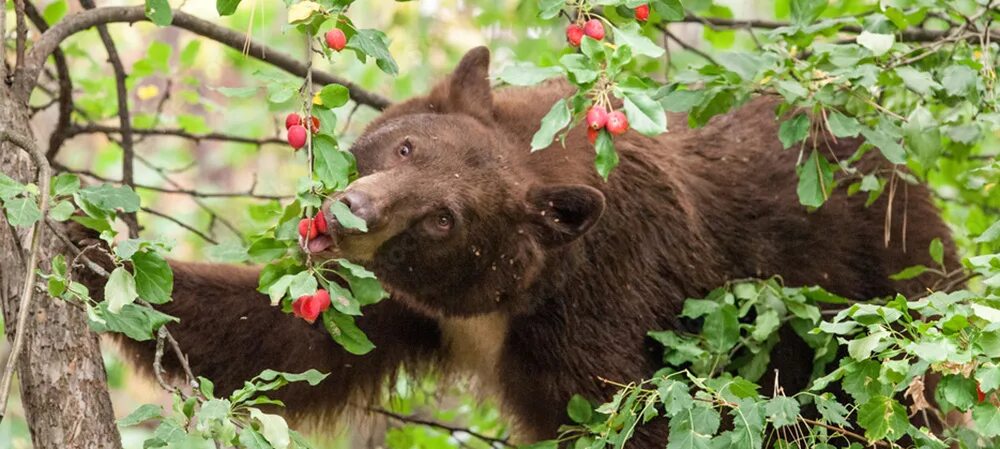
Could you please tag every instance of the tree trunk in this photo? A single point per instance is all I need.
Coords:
(63, 383)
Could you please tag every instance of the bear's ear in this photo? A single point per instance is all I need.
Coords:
(564, 212)
(467, 90)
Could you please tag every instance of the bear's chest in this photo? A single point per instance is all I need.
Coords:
(474, 346)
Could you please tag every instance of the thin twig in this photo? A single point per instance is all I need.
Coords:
(194, 230)
(50, 40)
(249, 193)
(91, 129)
(44, 177)
(451, 429)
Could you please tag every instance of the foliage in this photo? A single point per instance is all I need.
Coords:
(914, 80)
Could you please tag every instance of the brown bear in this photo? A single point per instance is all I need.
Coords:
(529, 272)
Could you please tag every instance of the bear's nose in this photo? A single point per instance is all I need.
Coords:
(362, 206)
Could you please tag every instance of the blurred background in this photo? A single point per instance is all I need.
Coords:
(180, 81)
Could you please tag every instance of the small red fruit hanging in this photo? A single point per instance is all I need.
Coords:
(617, 123)
(642, 13)
(292, 120)
(336, 40)
(574, 34)
(597, 117)
(594, 28)
(297, 136)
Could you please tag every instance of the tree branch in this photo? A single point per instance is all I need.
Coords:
(128, 145)
(51, 39)
(65, 96)
(441, 426)
(75, 130)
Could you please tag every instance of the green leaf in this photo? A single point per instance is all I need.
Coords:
(805, 12)
(987, 418)
(548, 9)
(957, 391)
(374, 43)
(10, 188)
(682, 100)
(110, 198)
(861, 348)
(190, 53)
(607, 157)
(273, 428)
(671, 10)
(55, 11)
(22, 212)
(120, 289)
(883, 417)
(959, 80)
(630, 34)
(303, 283)
(932, 350)
(815, 180)
(879, 44)
(579, 409)
(889, 146)
(62, 211)
(832, 411)
(334, 95)
(346, 333)
(135, 321)
(332, 167)
(920, 82)
(794, 130)
(158, 12)
(909, 273)
(990, 234)
(645, 115)
(579, 68)
(556, 119)
(346, 218)
(154, 280)
(923, 134)
(62, 184)
(937, 251)
(988, 377)
(226, 7)
(674, 395)
(842, 125)
(782, 411)
(144, 413)
(722, 328)
(526, 74)
(251, 439)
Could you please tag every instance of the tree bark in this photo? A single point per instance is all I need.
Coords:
(63, 383)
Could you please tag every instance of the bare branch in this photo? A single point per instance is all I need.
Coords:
(194, 230)
(448, 428)
(91, 129)
(51, 39)
(65, 97)
(908, 35)
(128, 146)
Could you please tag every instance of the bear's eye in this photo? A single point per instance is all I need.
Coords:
(405, 149)
(444, 221)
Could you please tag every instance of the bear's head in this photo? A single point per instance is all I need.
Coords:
(455, 228)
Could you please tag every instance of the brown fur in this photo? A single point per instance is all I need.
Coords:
(570, 272)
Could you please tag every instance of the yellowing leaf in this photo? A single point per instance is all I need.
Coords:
(303, 11)
(148, 91)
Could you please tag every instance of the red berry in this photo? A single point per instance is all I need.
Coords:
(594, 28)
(313, 124)
(297, 136)
(617, 123)
(597, 117)
(307, 307)
(574, 34)
(980, 393)
(592, 135)
(292, 120)
(335, 39)
(642, 13)
(322, 298)
(320, 221)
(308, 228)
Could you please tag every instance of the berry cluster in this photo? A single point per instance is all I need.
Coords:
(297, 129)
(599, 118)
(309, 307)
(309, 228)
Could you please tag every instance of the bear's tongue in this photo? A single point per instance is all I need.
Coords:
(320, 243)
